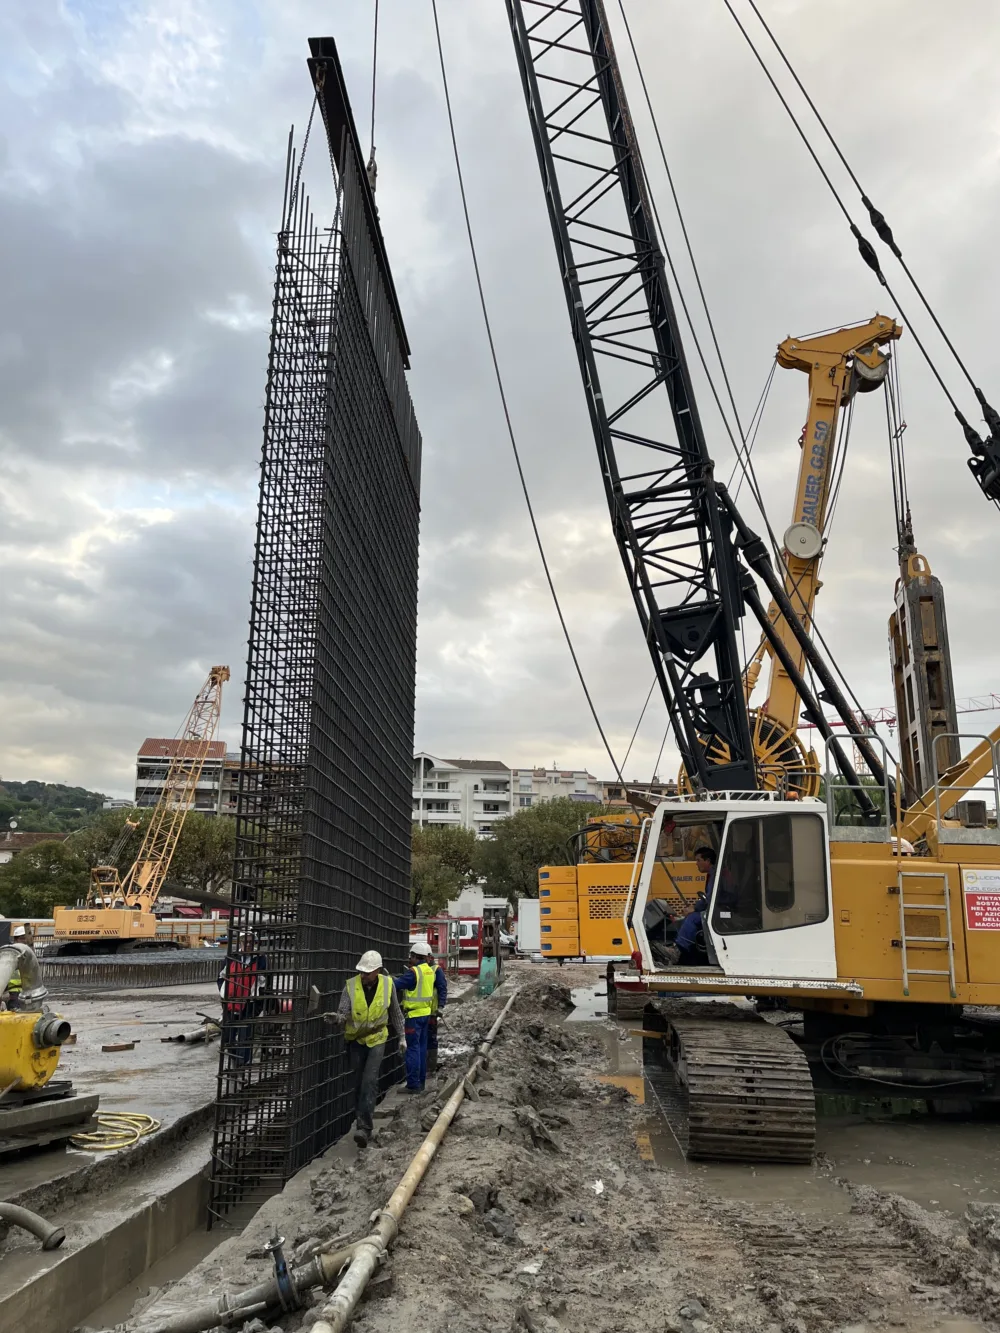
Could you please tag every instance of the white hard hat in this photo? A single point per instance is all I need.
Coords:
(369, 962)
(18, 930)
(421, 948)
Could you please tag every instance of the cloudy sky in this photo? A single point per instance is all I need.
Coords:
(141, 156)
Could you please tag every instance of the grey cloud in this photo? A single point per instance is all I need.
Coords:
(144, 217)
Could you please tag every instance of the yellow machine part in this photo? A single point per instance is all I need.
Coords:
(581, 908)
(22, 1063)
(95, 923)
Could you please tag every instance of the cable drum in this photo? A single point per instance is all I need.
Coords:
(783, 763)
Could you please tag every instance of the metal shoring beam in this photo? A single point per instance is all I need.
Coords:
(672, 533)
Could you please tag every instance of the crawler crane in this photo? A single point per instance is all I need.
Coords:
(118, 911)
(886, 956)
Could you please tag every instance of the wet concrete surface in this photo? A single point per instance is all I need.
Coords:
(166, 1080)
(941, 1164)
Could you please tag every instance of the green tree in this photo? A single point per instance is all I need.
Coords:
(509, 861)
(443, 861)
(203, 859)
(41, 876)
(204, 856)
(48, 807)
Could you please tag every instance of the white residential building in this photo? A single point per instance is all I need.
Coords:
(532, 786)
(460, 793)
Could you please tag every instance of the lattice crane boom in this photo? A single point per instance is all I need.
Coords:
(144, 880)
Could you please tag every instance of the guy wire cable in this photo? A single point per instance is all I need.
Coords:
(743, 457)
(503, 400)
(877, 218)
(865, 247)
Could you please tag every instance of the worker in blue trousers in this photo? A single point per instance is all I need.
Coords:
(417, 987)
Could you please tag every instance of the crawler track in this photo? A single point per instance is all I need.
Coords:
(741, 1088)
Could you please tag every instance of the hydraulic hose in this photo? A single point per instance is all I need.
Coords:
(50, 1236)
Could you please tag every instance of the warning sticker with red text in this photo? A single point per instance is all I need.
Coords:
(982, 899)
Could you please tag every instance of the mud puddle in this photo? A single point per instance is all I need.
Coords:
(943, 1165)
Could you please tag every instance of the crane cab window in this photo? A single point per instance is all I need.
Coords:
(771, 876)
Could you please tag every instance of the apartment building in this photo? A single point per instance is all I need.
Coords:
(217, 787)
(532, 786)
(460, 793)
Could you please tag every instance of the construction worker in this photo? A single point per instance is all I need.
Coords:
(438, 1000)
(14, 987)
(368, 1008)
(243, 986)
(417, 987)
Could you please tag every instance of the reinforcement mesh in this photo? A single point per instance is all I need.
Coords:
(323, 825)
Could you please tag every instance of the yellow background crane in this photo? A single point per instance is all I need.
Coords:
(119, 911)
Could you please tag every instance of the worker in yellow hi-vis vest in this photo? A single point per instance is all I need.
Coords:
(417, 987)
(368, 1008)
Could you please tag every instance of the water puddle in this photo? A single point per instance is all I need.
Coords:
(590, 1003)
(941, 1164)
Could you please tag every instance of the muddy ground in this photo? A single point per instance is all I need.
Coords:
(546, 1210)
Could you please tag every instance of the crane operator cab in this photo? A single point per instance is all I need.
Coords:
(766, 910)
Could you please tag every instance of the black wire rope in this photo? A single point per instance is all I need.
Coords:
(881, 226)
(752, 430)
(740, 451)
(743, 457)
(503, 400)
(374, 69)
(865, 246)
(639, 723)
(839, 463)
(683, 224)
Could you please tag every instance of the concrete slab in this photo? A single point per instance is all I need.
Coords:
(175, 1083)
(112, 1237)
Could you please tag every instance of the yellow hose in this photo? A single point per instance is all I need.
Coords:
(118, 1129)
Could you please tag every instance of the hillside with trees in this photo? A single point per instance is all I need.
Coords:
(47, 807)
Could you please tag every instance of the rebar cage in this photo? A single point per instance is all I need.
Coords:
(324, 815)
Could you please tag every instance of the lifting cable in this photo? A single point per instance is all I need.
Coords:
(374, 71)
(865, 246)
(742, 452)
(877, 218)
(503, 400)
(867, 250)
(896, 426)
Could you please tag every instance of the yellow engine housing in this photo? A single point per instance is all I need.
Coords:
(22, 1061)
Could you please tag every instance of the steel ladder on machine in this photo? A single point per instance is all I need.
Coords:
(947, 939)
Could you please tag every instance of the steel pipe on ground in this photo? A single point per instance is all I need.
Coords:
(337, 1312)
(364, 1255)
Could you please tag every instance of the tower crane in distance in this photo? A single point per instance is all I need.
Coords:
(118, 910)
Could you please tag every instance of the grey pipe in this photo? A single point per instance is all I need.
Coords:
(21, 958)
(50, 1236)
(225, 1311)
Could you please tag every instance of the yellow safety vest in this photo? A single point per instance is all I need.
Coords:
(369, 1023)
(417, 1002)
(434, 996)
(15, 985)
